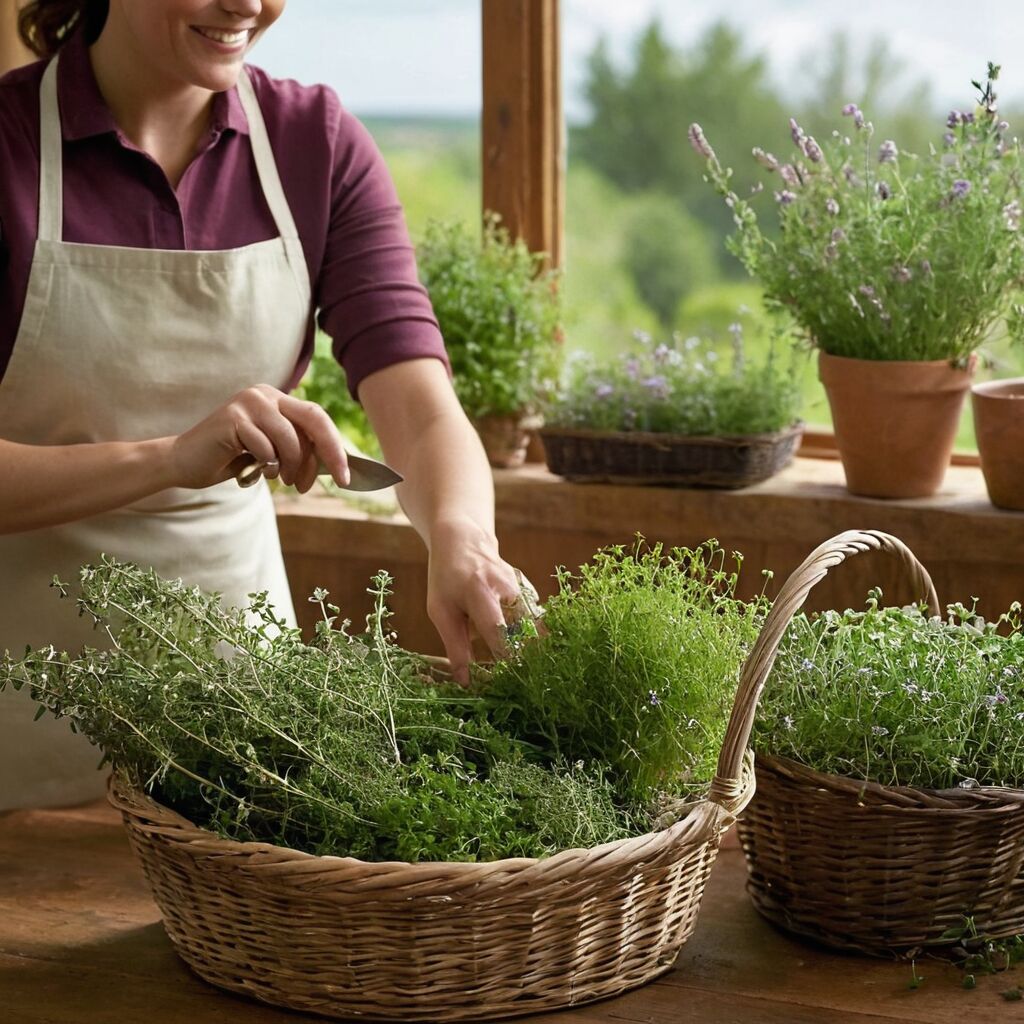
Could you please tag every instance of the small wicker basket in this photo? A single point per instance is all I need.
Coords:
(857, 865)
(636, 457)
(434, 941)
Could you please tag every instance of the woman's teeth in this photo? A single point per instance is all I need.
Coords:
(226, 38)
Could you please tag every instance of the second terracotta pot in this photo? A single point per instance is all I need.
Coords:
(895, 422)
(999, 427)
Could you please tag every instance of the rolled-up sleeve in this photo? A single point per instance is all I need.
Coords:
(369, 297)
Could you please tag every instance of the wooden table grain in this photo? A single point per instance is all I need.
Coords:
(81, 943)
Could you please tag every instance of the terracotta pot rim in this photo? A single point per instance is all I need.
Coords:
(972, 359)
(1006, 389)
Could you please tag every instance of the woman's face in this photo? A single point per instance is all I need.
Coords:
(195, 42)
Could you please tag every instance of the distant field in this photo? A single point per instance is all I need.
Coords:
(436, 167)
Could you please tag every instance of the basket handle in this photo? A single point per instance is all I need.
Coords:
(725, 788)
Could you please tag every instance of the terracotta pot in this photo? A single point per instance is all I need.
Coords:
(895, 422)
(999, 426)
(506, 438)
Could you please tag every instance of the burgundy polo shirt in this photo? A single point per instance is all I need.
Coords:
(361, 264)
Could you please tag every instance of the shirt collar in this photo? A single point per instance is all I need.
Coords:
(84, 112)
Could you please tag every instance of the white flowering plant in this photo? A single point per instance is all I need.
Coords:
(882, 254)
(894, 696)
(681, 387)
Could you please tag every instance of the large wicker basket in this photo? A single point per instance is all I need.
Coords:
(434, 941)
(636, 457)
(862, 866)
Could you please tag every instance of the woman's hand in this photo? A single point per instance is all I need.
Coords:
(293, 436)
(469, 583)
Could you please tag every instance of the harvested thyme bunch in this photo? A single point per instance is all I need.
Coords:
(342, 746)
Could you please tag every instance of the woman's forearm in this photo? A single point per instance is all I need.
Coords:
(45, 485)
(427, 438)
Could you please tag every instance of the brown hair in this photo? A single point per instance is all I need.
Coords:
(46, 25)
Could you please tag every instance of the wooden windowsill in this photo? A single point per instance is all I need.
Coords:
(971, 548)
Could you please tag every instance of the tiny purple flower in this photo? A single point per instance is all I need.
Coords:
(884, 192)
(807, 665)
(960, 189)
(653, 698)
(867, 290)
(658, 386)
(926, 268)
(632, 367)
(831, 252)
(785, 197)
(766, 160)
(967, 117)
(954, 119)
(796, 132)
(604, 391)
(838, 235)
(949, 139)
(852, 110)
(699, 143)
(832, 207)
(660, 353)
(902, 274)
(887, 152)
(1002, 126)
(812, 150)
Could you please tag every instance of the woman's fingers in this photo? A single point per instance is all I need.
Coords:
(453, 628)
(316, 425)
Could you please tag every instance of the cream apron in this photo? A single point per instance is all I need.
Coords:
(130, 344)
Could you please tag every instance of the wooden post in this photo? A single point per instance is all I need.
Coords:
(13, 52)
(522, 130)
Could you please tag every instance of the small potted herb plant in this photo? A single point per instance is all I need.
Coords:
(675, 413)
(894, 266)
(889, 743)
(499, 314)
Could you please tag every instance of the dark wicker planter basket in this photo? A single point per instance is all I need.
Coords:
(857, 865)
(646, 458)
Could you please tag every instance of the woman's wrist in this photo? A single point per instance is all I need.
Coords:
(155, 464)
(463, 530)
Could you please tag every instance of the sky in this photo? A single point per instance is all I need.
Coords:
(423, 56)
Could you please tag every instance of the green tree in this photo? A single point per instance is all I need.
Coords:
(636, 135)
(667, 253)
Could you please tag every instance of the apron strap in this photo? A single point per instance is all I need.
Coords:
(266, 167)
(51, 183)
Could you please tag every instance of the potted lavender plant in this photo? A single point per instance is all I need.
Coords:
(894, 267)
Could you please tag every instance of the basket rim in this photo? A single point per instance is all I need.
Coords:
(704, 819)
(663, 437)
(980, 798)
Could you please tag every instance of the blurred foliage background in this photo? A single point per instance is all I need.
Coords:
(644, 233)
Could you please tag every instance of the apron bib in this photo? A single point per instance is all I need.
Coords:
(121, 344)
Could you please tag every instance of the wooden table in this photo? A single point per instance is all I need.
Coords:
(81, 943)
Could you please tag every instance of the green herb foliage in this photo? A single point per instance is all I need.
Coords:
(893, 696)
(883, 254)
(498, 312)
(342, 746)
(637, 668)
(682, 387)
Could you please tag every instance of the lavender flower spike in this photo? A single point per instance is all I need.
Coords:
(812, 150)
(960, 189)
(832, 207)
(785, 197)
(887, 152)
(699, 143)
(766, 160)
(797, 132)
(883, 190)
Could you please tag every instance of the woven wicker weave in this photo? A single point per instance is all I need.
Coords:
(635, 457)
(434, 941)
(857, 865)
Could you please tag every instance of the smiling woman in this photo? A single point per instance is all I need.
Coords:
(176, 223)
